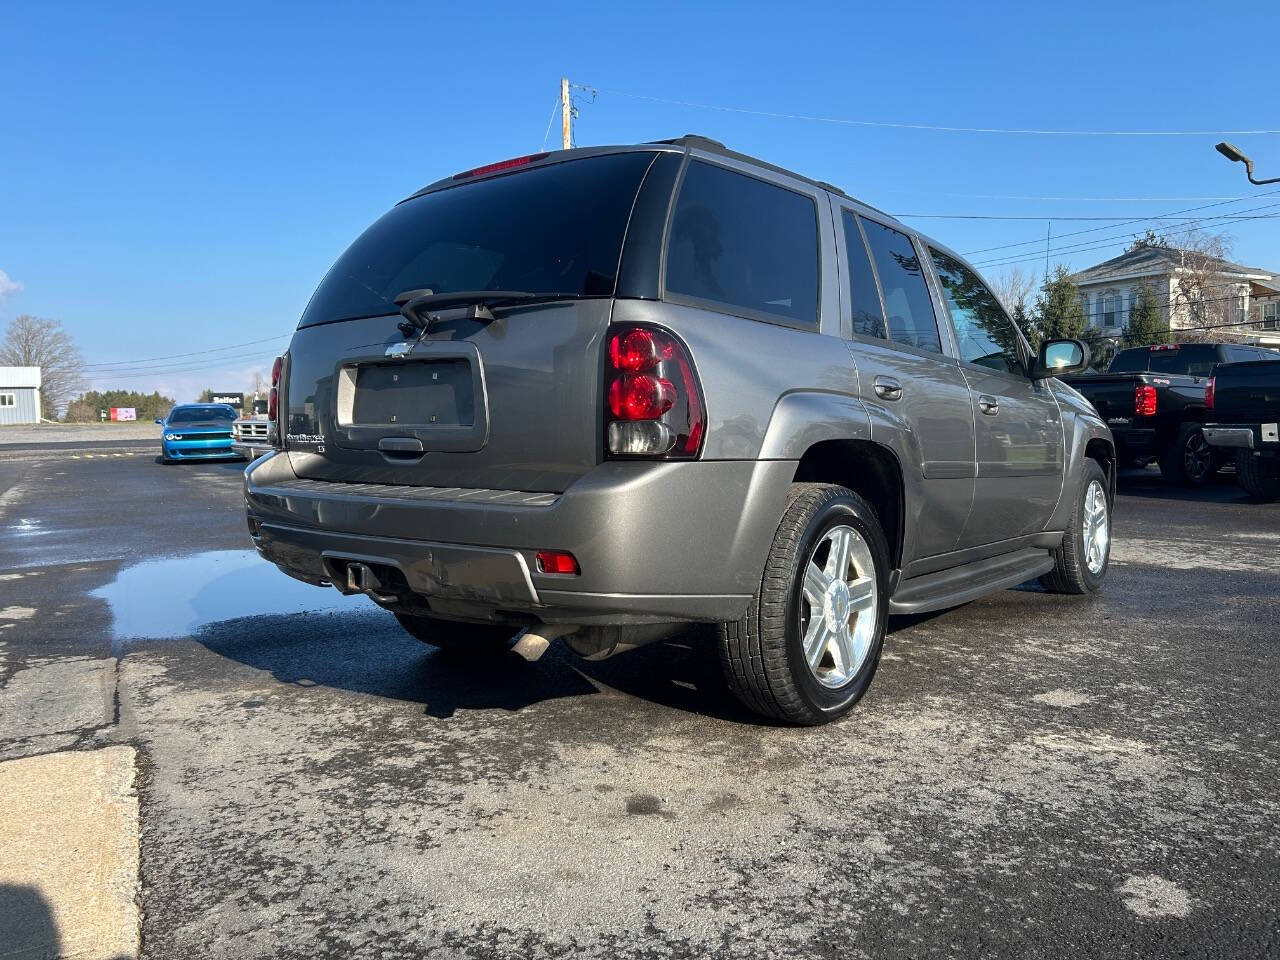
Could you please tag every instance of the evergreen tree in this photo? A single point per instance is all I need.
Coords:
(1146, 322)
(1058, 312)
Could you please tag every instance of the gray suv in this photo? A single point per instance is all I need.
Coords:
(603, 393)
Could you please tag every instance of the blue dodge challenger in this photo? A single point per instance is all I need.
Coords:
(197, 431)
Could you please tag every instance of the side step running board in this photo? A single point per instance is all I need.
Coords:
(957, 585)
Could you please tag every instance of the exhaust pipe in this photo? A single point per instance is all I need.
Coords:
(533, 641)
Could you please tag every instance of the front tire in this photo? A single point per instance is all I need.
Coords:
(465, 639)
(810, 642)
(1082, 559)
(1188, 461)
(1259, 477)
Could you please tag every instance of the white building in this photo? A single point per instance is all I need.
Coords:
(1243, 303)
(19, 395)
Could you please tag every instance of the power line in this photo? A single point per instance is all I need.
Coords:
(197, 353)
(933, 127)
(1220, 203)
(179, 366)
(1103, 242)
(554, 108)
(1041, 217)
(1017, 196)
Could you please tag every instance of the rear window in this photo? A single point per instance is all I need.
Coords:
(744, 244)
(1196, 360)
(553, 230)
(1130, 361)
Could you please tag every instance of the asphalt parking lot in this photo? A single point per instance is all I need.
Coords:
(1030, 775)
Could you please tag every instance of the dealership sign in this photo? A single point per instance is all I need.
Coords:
(124, 413)
(234, 399)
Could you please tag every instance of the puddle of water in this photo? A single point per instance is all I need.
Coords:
(175, 596)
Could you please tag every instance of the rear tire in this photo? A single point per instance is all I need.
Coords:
(1074, 569)
(1259, 476)
(466, 639)
(1188, 462)
(826, 571)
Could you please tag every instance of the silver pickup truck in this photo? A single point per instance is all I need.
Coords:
(603, 393)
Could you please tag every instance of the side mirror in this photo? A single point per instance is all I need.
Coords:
(159, 419)
(1058, 357)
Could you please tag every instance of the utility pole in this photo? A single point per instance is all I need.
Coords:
(566, 113)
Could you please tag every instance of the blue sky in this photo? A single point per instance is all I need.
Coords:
(177, 178)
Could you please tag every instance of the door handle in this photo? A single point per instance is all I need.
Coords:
(887, 388)
(988, 405)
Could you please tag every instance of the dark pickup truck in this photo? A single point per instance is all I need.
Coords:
(1153, 399)
(1243, 401)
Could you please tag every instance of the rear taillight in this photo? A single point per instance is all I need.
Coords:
(1144, 400)
(1208, 394)
(653, 400)
(273, 398)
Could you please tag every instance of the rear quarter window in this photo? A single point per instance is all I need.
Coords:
(743, 245)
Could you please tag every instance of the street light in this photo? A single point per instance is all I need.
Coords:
(1232, 153)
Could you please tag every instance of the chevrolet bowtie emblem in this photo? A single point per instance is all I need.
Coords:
(398, 351)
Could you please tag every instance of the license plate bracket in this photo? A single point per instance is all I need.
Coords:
(436, 395)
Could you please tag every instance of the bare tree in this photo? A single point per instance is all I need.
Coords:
(1016, 288)
(44, 343)
(1201, 295)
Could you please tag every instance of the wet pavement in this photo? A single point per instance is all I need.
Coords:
(1030, 775)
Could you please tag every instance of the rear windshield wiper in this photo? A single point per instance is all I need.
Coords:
(415, 304)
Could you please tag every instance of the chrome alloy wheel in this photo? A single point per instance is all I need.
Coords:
(838, 606)
(1096, 528)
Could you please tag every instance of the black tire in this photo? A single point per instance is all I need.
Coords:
(467, 639)
(1071, 573)
(762, 654)
(1188, 461)
(1259, 476)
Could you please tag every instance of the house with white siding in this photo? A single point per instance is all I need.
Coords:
(1242, 302)
(19, 395)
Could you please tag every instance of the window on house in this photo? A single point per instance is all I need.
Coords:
(1271, 315)
(8, 400)
(1109, 308)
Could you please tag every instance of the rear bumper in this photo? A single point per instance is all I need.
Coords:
(656, 542)
(1263, 438)
(1240, 437)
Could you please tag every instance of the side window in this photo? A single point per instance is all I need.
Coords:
(984, 334)
(750, 245)
(906, 295)
(864, 299)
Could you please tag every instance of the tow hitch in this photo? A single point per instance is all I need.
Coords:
(354, 576)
